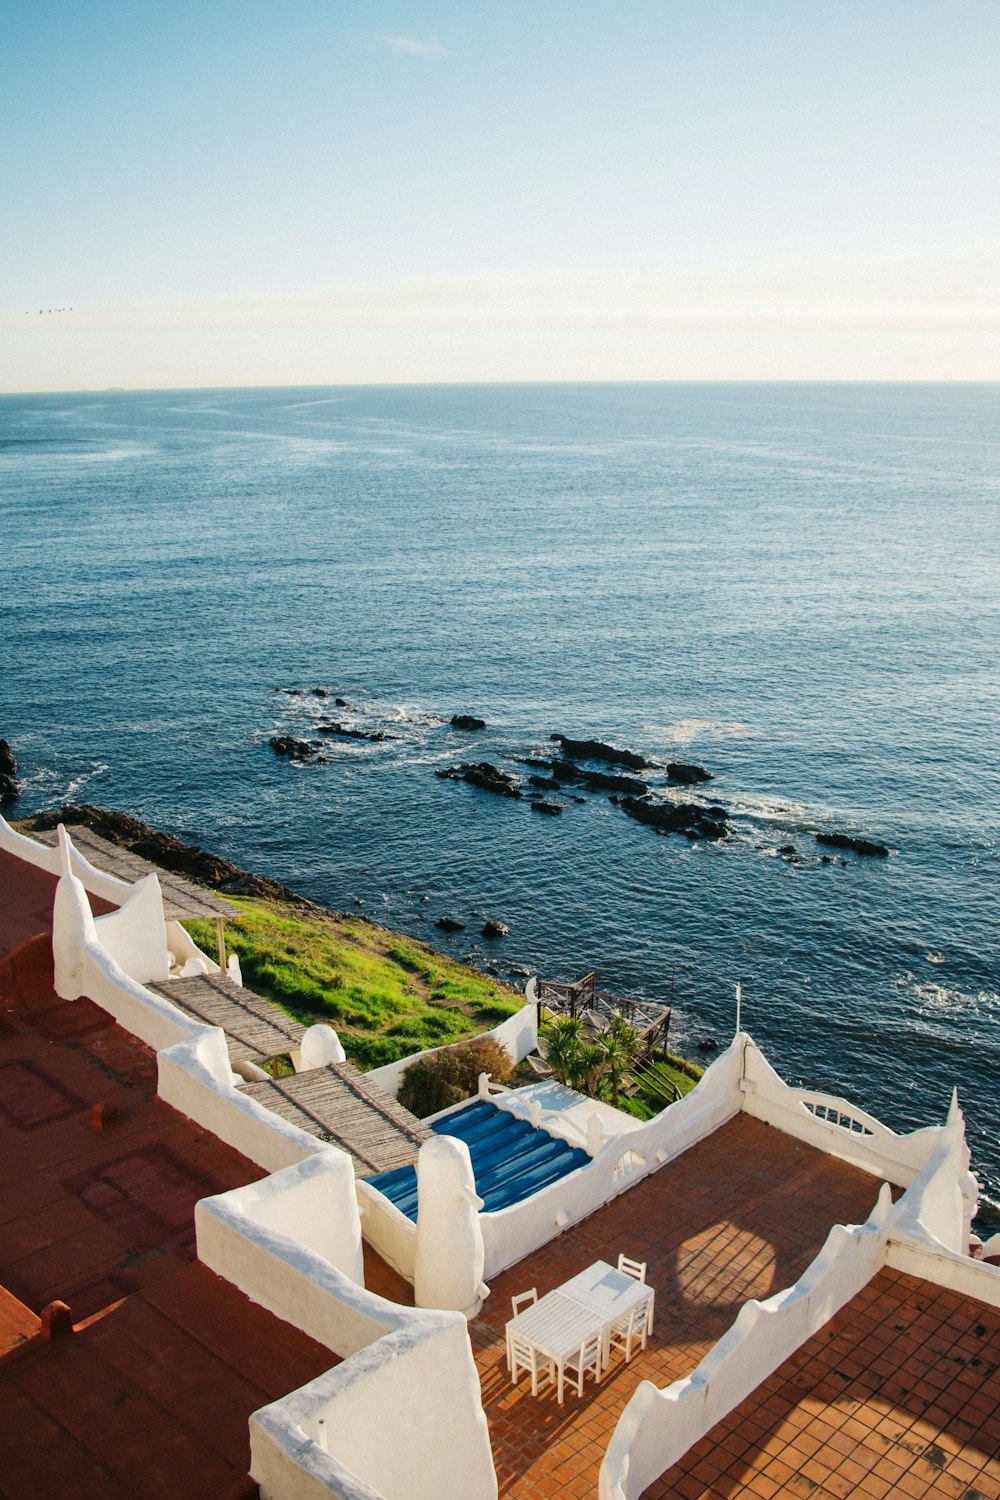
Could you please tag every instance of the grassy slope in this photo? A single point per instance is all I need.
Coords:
(387, 995)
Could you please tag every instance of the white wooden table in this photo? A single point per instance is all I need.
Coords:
(556, 1326)
(612, 1295)
(592, 1302)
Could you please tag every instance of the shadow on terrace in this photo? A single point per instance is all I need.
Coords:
(740, 1215)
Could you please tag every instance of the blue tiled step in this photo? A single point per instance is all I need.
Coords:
(511, 1160)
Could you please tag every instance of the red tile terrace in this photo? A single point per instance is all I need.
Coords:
(151, 1394)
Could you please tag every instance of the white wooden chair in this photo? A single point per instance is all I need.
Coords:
(634, 1268)
(522, 1355)
(631, 1328)
(523, 1299)
(588, 1357)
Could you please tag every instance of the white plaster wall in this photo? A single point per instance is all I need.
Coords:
(136, 934)
(657, 1427)
(183, 946)
(403, 1417)
(44, 857)
(314, 1203)
(191, 1078)
(518, 1034)
(388, 1230)
(947, 1268)
(894, 1158)
(512, 1233)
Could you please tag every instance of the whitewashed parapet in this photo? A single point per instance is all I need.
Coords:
(518, 1035)
(658, 1427)
(400, 1420)
(833, 1125)
(406, 1372)
(388, 1230)
(937, 1210)
(45, 857)
(509, 1234)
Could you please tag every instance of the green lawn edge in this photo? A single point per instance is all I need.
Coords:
(386, 994)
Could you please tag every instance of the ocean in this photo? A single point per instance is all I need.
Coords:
(794, 586)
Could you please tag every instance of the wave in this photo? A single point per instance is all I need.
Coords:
(684, 731)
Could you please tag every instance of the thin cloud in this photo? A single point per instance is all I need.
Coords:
(414, 46)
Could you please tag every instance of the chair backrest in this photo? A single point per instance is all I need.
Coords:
(590, 1353)
(634, 1268)
(523, 1299)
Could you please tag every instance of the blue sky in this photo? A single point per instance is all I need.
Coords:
(312, 192)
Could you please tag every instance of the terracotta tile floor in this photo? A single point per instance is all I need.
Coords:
(740, 1215)
(151, 1397)
(26, 897)
(898, 1395)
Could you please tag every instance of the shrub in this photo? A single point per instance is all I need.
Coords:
(434, 1083)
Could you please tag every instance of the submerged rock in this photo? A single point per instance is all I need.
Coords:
(848, 841)
(551, 808)
(687, 818)
(286, 744)
(686, 775)
(598, 781)
(467, 721)
(9, 788)
(450, 924)
(346, 733)
(482, 774)
(597, 750)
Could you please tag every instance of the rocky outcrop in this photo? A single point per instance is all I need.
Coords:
(450, 924)
(686, 775)
(687, 818)
(9, 788)
(597, 781)
(467, 721)
(345, 732)
(495, 929)
(286, 744)
(848, 841)
(597, 750)
(552, 809)
(482, 774)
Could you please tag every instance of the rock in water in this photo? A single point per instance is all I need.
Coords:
(286, 744)
(551, 808)
(848, 841)
(597, 750)
(686, 775)
(450, 924)
(467, 721)
(676, 817)
(598, 781)
(490, 778)
(495, 929)
(9, 789)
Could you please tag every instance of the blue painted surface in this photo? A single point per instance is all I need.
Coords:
(511, 1160)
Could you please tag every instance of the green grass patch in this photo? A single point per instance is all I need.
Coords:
(387, 995)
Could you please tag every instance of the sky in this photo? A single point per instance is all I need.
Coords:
(352, 191)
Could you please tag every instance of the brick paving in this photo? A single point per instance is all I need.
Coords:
(898, 1395)
(740, 1215)
(150, 1396)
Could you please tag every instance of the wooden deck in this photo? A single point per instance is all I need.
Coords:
(338, 1105)
(255, 1028)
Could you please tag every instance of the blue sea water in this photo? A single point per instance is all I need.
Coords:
(793, 585)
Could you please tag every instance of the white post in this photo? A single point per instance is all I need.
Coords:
(739, 1002)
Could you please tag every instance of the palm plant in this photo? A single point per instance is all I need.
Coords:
(621, 1044)
(561, 1043)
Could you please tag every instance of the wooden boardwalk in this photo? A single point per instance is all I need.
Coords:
(256, 1029)
(337, 1104)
